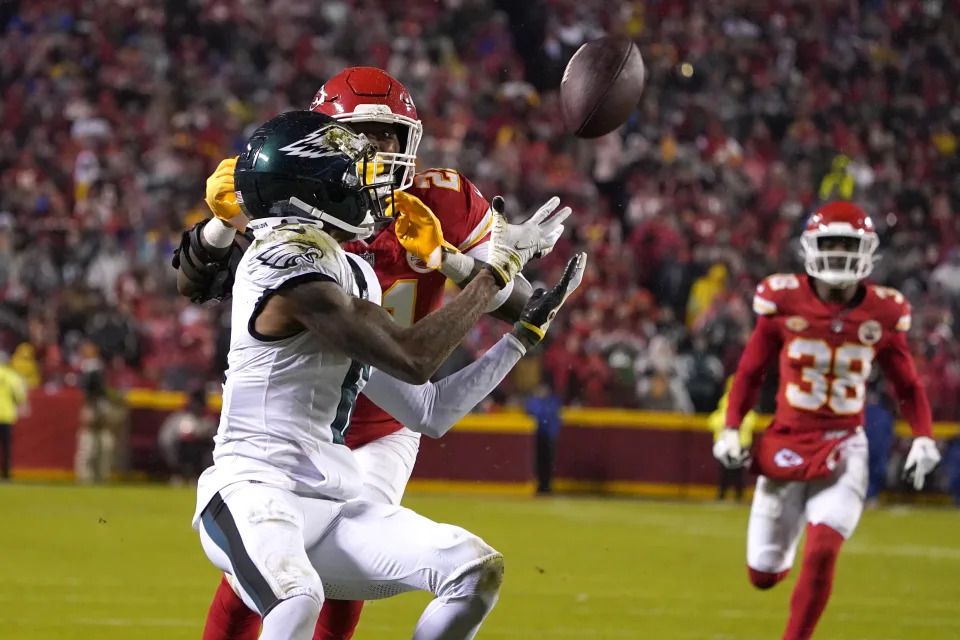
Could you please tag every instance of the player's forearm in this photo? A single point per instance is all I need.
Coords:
(751, 371)
(217, 237)
(506, 305)
(510, 310)
(430, 341)
(896, 363)
(201, 253)
(434, 408)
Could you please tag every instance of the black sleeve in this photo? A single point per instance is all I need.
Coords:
(210, 278)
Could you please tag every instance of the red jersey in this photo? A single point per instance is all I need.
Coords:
(826, 352)
(411, 290)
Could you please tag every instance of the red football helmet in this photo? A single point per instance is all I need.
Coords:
(839, 243)
(367, 94)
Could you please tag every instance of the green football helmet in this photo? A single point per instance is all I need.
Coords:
(309, 165)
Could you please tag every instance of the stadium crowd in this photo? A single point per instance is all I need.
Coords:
(114, 113)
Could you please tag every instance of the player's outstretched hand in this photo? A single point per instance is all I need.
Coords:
(727, 449)
(221, 193)
(513, 245)
(417, 228)
(543, 305)
(921, 460)
(544, 227)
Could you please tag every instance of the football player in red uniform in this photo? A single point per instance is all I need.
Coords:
(377, 105)
(826, 329)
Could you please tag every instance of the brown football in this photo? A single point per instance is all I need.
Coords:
(601, 86)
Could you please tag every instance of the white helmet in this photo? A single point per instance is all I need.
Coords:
(839, 244)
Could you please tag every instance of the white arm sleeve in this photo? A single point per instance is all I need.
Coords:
(433, 408)
(482, 252)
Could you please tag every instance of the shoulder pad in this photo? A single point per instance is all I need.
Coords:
(770, 290)
(896, 305)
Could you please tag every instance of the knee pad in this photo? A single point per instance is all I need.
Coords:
(291, 575)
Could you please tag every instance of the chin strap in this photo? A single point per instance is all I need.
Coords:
(313, 212)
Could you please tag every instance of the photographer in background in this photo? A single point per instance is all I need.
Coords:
(186, 439)
(102, 419)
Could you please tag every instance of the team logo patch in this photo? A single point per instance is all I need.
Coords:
(417, 264)
(288, 254)
(870, 332)
(786, 458)
(797, 323)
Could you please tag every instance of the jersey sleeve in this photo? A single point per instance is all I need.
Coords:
(897, 364)
(300, 254)
(761, 351)
(371, 284)
(768, 298)
(463, 212)
(898, 309)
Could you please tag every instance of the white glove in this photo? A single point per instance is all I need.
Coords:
(921, 460)
(513, 245)
(728, 451)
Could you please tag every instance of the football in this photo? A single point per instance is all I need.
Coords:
(601, 86)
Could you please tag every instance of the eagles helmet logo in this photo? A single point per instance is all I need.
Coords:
(330, 141)
(288, 254)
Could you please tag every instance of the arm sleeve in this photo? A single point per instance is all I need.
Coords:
(897, 365)
(762, 348)
(433, 408)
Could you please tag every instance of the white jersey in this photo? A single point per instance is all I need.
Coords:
(287, 402)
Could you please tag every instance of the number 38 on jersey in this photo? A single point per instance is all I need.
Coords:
(830, 377)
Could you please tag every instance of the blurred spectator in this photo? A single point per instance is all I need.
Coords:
(13, 395)
(544, 406)
(661, 386)
(102, 420)
(703, 373)
(186, 439)
(24, 363)
(947, 274)
(114, 114)
(704, 291)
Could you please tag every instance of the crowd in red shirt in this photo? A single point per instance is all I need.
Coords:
(114, 113)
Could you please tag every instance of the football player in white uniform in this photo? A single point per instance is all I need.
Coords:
(277, 509)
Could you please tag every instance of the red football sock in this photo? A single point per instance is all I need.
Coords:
(229, 618)
(813, 587)
(765, 580)
(338, 619)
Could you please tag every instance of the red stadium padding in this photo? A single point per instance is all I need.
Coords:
(46, 437)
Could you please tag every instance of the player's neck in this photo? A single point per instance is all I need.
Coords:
(835, 295)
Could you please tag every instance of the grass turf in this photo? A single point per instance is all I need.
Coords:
(122, 562)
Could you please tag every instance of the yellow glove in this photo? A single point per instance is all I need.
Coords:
(418, 229)
(221, 193)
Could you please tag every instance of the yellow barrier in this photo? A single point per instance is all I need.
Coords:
(512, 421)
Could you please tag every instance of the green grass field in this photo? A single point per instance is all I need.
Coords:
(118, 563)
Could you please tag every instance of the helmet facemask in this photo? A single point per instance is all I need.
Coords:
(355, 193)
(839, 257)
(402, 165)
